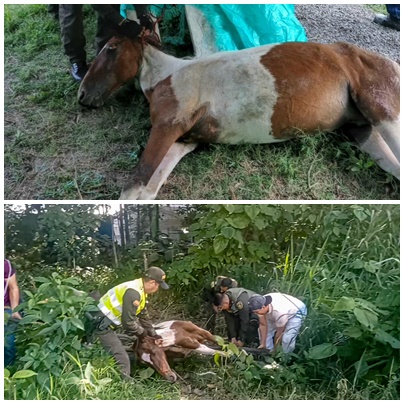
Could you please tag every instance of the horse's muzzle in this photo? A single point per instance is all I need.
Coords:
(88, 102)
(170, 377)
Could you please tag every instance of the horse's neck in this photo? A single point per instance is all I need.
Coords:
(157, 66)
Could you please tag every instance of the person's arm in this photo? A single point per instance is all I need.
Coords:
(14, 294)
(244, 323)
(146, 323)
(108, 12)
(263, 330)
(130, 320)
(230, 324)
(278, 335)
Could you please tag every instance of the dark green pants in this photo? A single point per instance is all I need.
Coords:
(114, 346)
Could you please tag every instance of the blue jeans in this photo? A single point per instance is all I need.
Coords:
(9, 339)
(394, 10)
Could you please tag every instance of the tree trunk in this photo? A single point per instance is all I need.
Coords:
(126, 224)
(121, 226)
(116, 261)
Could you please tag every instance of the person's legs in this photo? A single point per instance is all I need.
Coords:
(290, 334)
(53, 10)
(105, 31)
(394, 11)
(73, 39)
(9, 339)
(113, 346)
(392, 20)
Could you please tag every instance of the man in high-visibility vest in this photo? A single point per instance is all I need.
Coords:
(124, 305)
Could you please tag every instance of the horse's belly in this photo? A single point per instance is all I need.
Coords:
(254, 131)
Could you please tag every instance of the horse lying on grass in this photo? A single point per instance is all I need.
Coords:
(179, 338)
(260, 95)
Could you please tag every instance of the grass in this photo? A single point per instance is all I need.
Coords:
(55, 150)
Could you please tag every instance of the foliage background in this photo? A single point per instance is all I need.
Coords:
(341, 260)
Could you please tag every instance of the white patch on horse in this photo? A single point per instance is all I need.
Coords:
(205, 350)
(146, 358)
(239, 90)
(390, 132)
(176, 152)
(157, 66)
(168, 335)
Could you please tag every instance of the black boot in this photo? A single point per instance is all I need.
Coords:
(78, 71)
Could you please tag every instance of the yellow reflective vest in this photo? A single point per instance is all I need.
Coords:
(111, 303)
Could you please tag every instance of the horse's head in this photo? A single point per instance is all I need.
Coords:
(117, 63)
(153, 354)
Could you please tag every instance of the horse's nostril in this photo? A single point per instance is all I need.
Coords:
(82, 95)
(172, 378)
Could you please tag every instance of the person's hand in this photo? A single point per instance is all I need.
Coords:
(16, 315)
(143, 334)
(131, 29)
(146, 22)
(234, 341)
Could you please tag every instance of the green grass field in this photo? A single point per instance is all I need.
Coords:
(56, 150)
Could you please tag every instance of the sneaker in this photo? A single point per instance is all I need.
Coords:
(78, 71)
(387, 21)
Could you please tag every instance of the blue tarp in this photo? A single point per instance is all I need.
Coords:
(240, 26)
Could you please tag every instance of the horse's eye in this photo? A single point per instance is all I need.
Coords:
(111, 48)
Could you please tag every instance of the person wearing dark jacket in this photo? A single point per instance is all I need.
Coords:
(242, 324)
(125, 305)
(109, 23)
(220, 285)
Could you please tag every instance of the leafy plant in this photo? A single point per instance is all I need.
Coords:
(53, 325)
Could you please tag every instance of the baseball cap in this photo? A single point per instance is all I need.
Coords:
(158, 275)
(256, 302)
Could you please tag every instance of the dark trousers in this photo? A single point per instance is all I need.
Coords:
(9, 338)
(394, 11)
(53, 10)
(112, 344)
(72, 31)
(233, 322)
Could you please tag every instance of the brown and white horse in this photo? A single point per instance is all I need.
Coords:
(178, 338)
(260, 95)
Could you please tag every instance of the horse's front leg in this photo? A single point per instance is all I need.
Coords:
(161, 155)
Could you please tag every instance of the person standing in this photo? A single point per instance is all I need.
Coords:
(281, 318)
(11, 301)
(109, 23)
(392, 20)
(125, 305)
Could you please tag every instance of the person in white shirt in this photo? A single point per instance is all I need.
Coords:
(281, 317)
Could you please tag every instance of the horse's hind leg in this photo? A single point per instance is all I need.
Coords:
(197, 332)
(376, 93)
(370, 141)
(390, 132)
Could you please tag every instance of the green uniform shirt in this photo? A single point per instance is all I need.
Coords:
(239, 307)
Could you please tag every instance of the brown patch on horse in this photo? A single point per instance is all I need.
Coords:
(310, 84)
